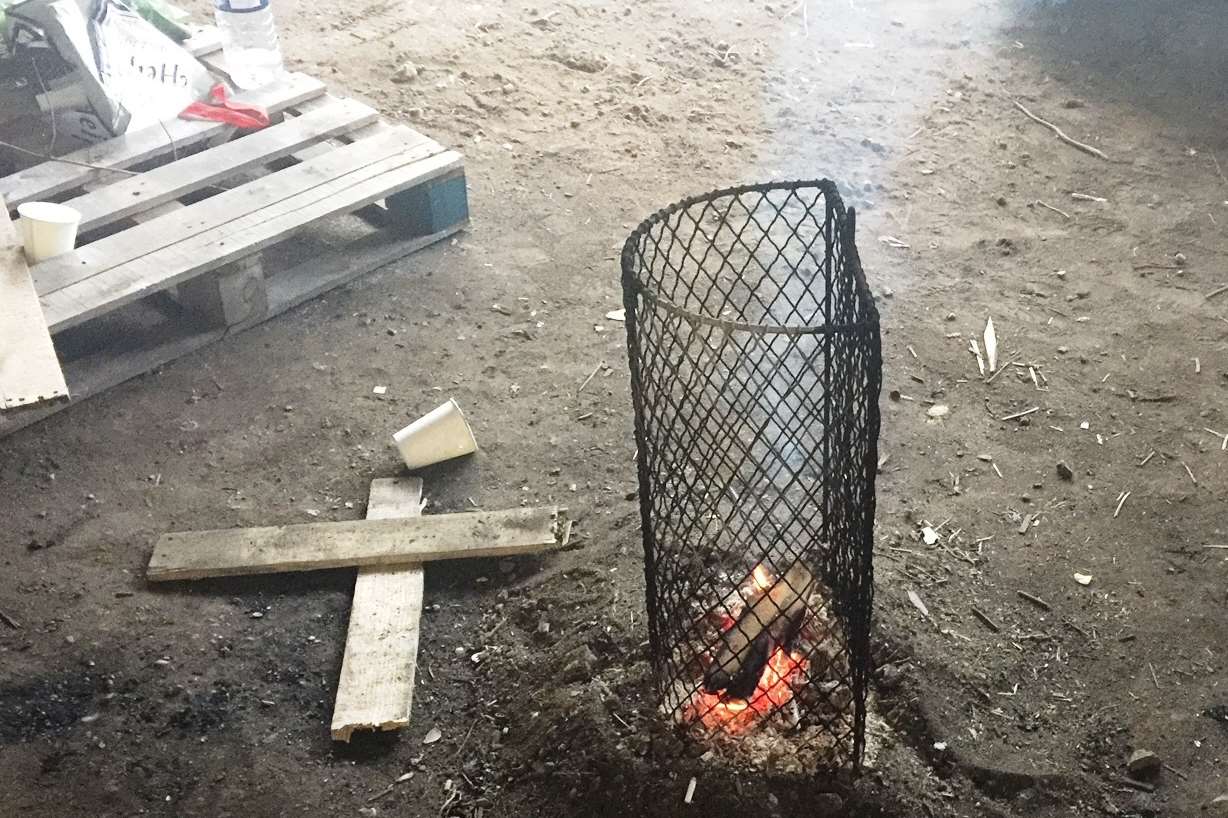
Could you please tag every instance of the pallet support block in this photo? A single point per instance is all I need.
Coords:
(430, 207)
(232, 296)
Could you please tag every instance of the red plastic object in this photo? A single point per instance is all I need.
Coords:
(218, 107)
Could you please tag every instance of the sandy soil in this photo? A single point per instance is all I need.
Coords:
(577, 120)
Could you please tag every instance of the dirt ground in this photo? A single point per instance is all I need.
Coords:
(577, 120)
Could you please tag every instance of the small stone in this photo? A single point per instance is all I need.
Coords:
(407, 72)
(890, 676)
(1083, 579)
(433, 735)
(1064, 471)
(826, 803)
(950, 316)
(938, 410)
(1179, 258)
(579, 665)
(1143, 762)
(1218, 805)
(1001, 201)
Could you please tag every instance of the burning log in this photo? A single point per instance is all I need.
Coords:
(771, 622)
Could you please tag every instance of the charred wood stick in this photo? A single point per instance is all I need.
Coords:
(773, 620)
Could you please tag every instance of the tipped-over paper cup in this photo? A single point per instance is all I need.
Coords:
(440, 435)
(47, 229)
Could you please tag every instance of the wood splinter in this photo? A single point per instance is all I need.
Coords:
(1074, 143)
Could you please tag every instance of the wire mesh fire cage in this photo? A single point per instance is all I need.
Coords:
(756, 366)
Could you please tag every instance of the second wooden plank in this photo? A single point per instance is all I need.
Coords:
(376, 689)
(315, 546)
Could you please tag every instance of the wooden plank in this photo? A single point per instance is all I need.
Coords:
(158, 270)
(29, 370)
(376, 689)
(139, 193)
(218, 211)
(315, 546)
(45, 180)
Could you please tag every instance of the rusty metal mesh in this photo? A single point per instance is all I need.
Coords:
(755, 370)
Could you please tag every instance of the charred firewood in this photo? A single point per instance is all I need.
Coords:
(772, 621)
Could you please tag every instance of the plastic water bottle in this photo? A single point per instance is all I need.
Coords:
(249, 41)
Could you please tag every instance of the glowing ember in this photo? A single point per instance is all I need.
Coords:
(782, 673)
(762, 577)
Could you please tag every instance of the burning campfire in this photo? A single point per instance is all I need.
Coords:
(773, 667)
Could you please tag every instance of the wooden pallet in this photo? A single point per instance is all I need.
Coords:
(204, 233)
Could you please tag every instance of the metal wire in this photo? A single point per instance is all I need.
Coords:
(756, 367)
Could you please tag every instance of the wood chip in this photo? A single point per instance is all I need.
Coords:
(1018, 415)
(991, 345)
(989, 623)
(1035, 600)
(1048, 206)
(915, 599)
(976, 350)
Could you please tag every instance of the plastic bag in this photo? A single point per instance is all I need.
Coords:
(130, 74)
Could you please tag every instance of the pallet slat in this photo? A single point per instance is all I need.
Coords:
(211, 249)
(44, 181)
(135, 194)
(29, 370)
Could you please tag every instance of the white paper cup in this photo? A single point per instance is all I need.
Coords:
(47, 229)
(440, 435)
